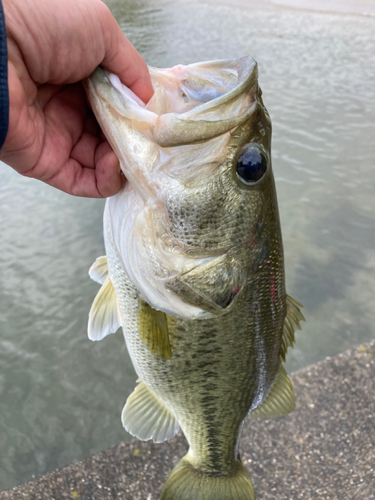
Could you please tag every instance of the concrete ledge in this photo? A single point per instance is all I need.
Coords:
(324, 450)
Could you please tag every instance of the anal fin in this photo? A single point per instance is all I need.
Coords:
(145, 417)
(280, 400)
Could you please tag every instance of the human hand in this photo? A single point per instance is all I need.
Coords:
(53, 135)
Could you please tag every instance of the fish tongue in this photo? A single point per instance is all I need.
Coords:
(159, 102)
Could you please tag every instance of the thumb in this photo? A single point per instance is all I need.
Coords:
(123, 59)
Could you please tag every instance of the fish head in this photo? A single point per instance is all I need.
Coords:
(199, 213)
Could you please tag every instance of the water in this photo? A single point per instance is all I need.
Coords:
(60, 394)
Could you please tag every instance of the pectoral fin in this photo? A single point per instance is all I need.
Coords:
(280, 400)
(145, 417)
(153, 330)
(99, 270)
(291, 325)
(104, 316)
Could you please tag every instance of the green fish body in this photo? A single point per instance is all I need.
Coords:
(194, 269)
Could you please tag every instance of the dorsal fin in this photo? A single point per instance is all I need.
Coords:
(99, 270)
(291, 324)
(153, 330)
(104, 316)
(145, 417)
(280, 400)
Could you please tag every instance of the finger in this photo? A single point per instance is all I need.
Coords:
(103, 181)
(107, 169)
(54, 133)
(103, 149)
(65, 41)
(63, 118)
(24, 140)
(73, 160)
(84, 150)
(100, 182)
(46, 92)
(73, 178)
(123, 59)
(90, 125)
(102, 135)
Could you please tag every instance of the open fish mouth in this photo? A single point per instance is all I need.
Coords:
(190, 103)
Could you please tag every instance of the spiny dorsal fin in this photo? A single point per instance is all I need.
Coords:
(153, 330)
(99, 270)
(145, 417)
(104, 316)
(280, 400)
(291, 324)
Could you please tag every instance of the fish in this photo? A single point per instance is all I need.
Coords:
(194, 266)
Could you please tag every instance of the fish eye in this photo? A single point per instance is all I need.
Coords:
(251, 165)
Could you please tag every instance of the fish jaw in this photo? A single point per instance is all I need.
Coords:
(164, 152)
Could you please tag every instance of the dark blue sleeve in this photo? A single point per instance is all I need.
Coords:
(4, 94)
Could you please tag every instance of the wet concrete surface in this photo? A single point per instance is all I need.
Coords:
(324, 450)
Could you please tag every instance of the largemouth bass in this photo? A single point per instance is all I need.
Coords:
(194, 269)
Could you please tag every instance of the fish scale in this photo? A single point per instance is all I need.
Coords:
(195, 269)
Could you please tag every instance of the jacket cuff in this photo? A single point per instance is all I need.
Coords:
(4, 92)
